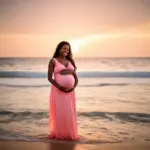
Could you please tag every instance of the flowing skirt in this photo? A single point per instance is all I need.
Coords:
(62, 115)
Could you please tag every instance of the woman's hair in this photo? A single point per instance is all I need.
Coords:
(69, 56)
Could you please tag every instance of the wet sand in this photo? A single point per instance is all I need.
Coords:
(21, 145)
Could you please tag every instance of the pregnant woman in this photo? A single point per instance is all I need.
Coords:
(62, 117)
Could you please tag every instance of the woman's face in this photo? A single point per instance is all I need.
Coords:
(64, 51)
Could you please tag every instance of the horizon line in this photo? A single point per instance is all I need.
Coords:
(1, 57)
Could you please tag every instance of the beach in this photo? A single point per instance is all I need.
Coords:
(20, 145)
(113, 111)
(106, 43)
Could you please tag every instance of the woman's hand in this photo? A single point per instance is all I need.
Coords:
(66, 90)
(66, 72)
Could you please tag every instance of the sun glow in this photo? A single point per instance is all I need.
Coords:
(77, 43)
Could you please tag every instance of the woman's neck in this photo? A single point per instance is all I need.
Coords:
(61, 57)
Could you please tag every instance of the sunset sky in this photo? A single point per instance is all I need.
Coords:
(95, 28)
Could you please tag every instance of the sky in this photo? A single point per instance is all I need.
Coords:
(94, 28)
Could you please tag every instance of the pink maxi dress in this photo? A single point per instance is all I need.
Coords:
(62, 114)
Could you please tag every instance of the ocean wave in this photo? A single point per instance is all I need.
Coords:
(122, 116)
(16, 136)
(82, 74)
(8, 116)
(48, 85)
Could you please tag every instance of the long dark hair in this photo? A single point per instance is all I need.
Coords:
(69, 56)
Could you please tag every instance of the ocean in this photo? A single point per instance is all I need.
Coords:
(113, 99)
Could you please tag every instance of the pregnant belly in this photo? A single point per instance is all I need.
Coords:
(66, 81)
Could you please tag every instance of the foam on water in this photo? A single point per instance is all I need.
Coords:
(83, 74)
(8, 116)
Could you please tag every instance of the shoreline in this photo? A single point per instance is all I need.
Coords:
(41, 145)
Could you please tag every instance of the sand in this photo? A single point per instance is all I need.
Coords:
(21, 145)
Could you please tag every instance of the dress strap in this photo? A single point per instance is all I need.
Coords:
(55, 60)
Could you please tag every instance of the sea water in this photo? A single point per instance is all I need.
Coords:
(113, 99)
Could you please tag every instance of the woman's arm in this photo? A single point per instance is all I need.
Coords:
(50, 74)
(75, 74)
(76, 78)
(76, 82)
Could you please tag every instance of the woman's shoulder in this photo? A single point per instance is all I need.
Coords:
(52, 61)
